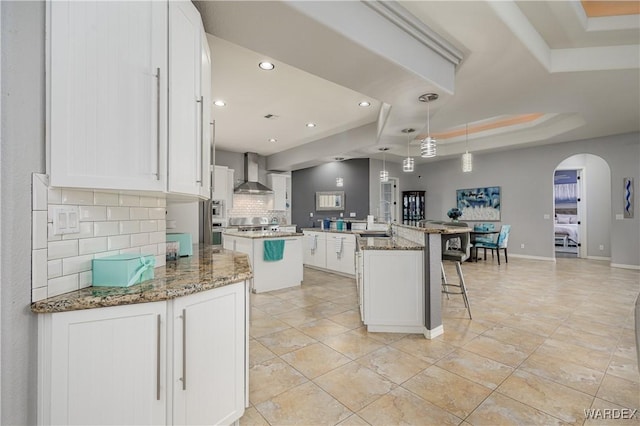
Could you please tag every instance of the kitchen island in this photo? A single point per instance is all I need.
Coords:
(269, 273)
(171, 350)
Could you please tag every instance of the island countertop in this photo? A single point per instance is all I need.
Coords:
(263, 234)
(207, 269)
(387, 243)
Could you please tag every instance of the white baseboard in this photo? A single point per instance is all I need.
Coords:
(599, 258)
(619, 265)
(526, 256)
(430, 334)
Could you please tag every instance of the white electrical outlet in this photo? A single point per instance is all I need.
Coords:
(311, 214)
(521, 245)
(66, 220)
(341, 214)
(601, 247)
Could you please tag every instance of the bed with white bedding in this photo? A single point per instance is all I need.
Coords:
(566, 229)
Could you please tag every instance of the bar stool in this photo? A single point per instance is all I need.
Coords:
(458, 256)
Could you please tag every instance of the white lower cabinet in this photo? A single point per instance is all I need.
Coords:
(392, 287)
(330, 250)
(124, 365)
(209, 356)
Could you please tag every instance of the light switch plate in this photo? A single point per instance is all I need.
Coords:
(547, 216)
(619, 217)
(66, 220)
(352, 214)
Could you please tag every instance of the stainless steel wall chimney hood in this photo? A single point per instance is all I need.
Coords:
(251, 184)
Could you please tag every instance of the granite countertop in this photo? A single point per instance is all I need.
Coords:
(207, 269)
(437, 229)
(263, 234)
(388, 243)
(344, 231)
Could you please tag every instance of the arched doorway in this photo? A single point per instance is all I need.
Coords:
(582, 208)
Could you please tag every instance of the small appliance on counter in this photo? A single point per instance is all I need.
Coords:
(185, 240)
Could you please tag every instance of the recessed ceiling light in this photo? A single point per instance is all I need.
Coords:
(364, 104)
(220, 103)
(267, 66)
(311, 124)
(273, 140)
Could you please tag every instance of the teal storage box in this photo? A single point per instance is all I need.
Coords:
(186, 245)
(122, 270)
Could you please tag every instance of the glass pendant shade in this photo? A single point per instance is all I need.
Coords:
(384, 176)
(467, 162)
(408, 164)
(339, 181)
(428, 147)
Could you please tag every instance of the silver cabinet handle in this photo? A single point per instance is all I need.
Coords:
(158, 123)
(158, 360)
(201, 142)
(184, 349)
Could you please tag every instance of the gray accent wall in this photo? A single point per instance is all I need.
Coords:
(305, 183)
(22, 152)
(526, 180)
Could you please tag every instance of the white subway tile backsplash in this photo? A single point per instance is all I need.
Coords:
(129, 227)
(157, 237)
(134, 250)
(149, 249)
(39, 293)
(161, 260)
(61, 285)
(73, 265)
(118, 242)
(54, 196)
(86, 231)
(109, 223)
(138, 240)
(54, 268)
(148, 225)
(105, 199)
(129, 200)
(93, 213)
(60, 249)
(39, 189)
(77, 197)
(103, 229)
(92, 245)
(138, 213)
(158, 213)
(118, 213)
(85, 279)
(148, 202)
(39, 232)
(38, 268)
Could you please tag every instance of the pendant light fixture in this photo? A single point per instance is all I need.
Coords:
(467, 157)
(428, 144)
(384, 174)
(339, 179)
(408, 164)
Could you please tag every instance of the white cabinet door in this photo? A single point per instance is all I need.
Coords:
(206, 125)
(186, 107)
(279, 185)
(209, 356)
(107, 89)
(231, 186)
(341, 261)
(315, 249)
(221, 186)
(104, 366)
(359, 281)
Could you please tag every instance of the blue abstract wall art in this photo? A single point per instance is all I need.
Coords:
(479, 203)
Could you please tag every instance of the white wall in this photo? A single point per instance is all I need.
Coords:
(22, 152)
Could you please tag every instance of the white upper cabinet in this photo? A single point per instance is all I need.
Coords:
(207, 117)
(106, 94)
(186, 103)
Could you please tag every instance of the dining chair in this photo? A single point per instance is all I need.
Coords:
(500, 244)
(458, 253)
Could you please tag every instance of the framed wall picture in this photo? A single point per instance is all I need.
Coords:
(628, 197)
(482, 204)
(329, 200)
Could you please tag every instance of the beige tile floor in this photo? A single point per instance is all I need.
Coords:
(547, 341)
